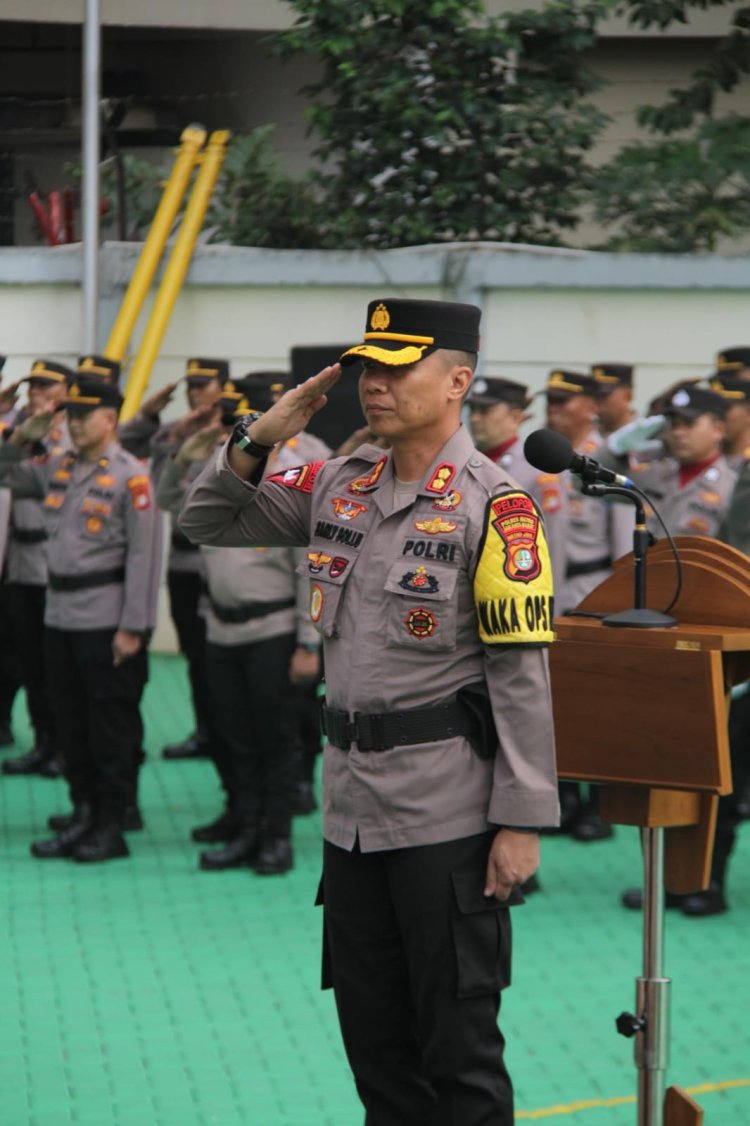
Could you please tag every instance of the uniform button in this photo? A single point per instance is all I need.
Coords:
(475, 463)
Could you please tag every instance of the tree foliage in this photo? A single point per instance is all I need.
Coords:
(688, 187)
(435, 122)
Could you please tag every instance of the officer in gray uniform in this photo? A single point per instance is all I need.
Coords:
(104, 552)
(736, 393)
(260, 640)
(734, 361)
(597, 532)
(204, 379)
(691, 488)
(497, 408)
(430, 582)
(8, 680)
(136, 434)
(26, 575)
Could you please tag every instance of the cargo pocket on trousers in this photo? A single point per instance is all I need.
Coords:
(481, 938)
(326, 976)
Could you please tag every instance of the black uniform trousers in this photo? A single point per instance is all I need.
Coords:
(185, 591)
(26, 607)
(98, 718)
(417, 956)
(9, 683)
(254, 751)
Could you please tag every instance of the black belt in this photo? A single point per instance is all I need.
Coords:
(28, 535)
(573, 570)
(83, 582)
(237, 614)
(378, 731)
(180, 542)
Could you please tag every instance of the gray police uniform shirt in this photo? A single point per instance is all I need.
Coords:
(695, 509)
(183, 556)
(735, 525)
(27, 542)
(248, 578)
(414, 603)
(549, 492)
(597, 532)
(101, 517)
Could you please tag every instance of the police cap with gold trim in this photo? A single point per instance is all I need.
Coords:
(609, 376)
(86, 395)
(401, 331)
(733, 359)
(100, 367)
(49, 371)
(487, 392)
(199, 370)
(733, 388)
(562, 384)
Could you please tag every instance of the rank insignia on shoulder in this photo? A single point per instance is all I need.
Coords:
(420, 580)
(449, 502)
(421, 622)
(365, 484)
(317, 560)
(436, 526)
(513, 579)
(302, 477)
(441, 479)
(347, 509)
(139, 488)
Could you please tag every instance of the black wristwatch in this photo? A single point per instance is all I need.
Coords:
(242, 440)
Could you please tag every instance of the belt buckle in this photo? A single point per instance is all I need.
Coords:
(371, 731)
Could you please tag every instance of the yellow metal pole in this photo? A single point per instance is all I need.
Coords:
(210, 162)
(191, 142)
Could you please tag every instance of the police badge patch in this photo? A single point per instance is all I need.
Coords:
(421, 623)
(420, 580)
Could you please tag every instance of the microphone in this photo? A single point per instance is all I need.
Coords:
(553, 453)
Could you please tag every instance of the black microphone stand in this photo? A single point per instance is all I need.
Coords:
(649, 1024)
(638, 617)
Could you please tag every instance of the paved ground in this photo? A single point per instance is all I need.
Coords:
(147, 993)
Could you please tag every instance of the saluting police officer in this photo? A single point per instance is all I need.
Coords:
(26, 573)
(260, 643)
(691, 486)
(497, 409)
(430, 582)
(204, 379)
(104, 552)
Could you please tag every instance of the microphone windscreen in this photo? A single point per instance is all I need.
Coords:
(548, 450)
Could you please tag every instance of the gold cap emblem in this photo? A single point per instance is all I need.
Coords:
(229, 387)
(380, 318)
(74, 391)
(87, 363)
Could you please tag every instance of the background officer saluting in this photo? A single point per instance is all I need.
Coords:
(26, 574)
(435, 610)
(204, 380)
(692, 485)
(104, 551)
(497, 409)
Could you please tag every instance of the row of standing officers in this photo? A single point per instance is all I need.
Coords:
(84, 554)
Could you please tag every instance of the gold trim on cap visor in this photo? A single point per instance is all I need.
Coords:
(601, 376)
(557, 382)
(399, 336)
(386, 356)
(88, 366)
(39, 372)
(719, 389)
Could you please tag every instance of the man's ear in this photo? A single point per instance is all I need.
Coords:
(460, 381)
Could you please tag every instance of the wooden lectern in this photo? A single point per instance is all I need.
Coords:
(643, 713)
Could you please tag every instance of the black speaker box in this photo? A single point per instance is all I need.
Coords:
(342, 415)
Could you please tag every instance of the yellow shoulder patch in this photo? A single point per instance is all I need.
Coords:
(513, 579)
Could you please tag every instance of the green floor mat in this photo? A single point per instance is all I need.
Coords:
(147, 993)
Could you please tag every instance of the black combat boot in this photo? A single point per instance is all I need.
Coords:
(67, 840)
(105, 842)
(60, 821)
(39, 760)
(239, 852)
(195, 746)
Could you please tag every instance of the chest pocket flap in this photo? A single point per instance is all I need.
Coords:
(421, 607)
